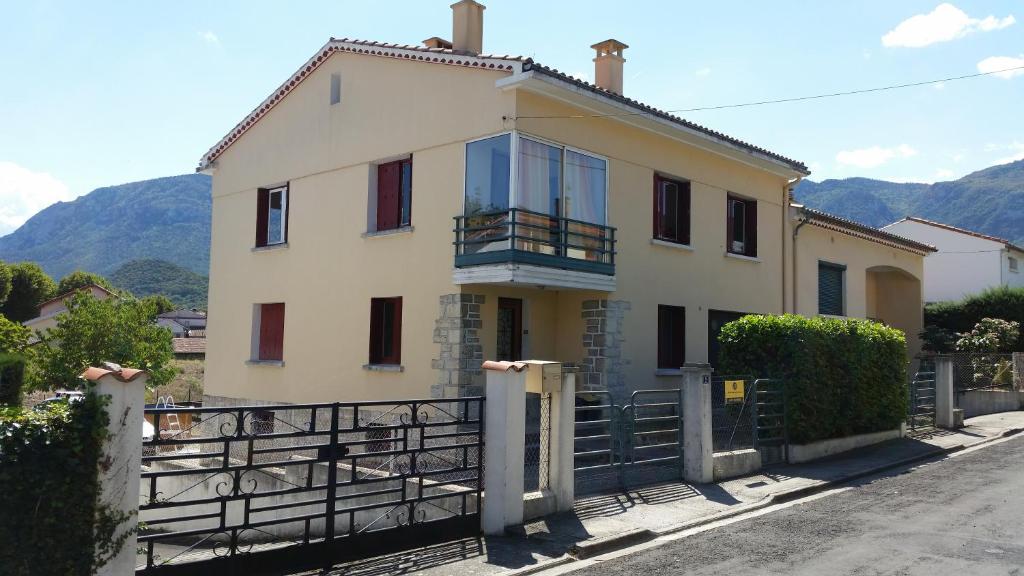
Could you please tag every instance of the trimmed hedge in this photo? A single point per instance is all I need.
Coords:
(959, 317)
(51, 520)
(12, 379)
(842, 376)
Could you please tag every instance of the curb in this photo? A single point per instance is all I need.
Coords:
(597, 546)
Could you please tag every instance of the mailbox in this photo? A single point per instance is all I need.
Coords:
(543, 377)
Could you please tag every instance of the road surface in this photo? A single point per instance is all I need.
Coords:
(962, 515)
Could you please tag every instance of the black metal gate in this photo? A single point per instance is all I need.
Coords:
(771, 437)
(921, 405)
(268, 489)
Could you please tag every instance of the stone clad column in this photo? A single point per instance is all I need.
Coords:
(121, 456)
(602, 364)
(457, 331)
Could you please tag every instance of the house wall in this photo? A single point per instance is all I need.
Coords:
(1012, 278)
(881, 282)
(963, 265)
(328, 272)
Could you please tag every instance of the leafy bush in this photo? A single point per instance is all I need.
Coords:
(990, 335)
(1003, 302)
(842, 376)
(49, 474)
(12, 379)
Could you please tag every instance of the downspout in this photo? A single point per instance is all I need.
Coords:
(787, 202)
(805, 218)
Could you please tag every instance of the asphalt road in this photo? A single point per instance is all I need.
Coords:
(963, 515)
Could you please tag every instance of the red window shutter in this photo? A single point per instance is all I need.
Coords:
(376, 329)
(388, 195)
(751, 231)
(671, 336)
(396, 333)
(386, 326)
(262, 216)
(271, 332)
(683, 210)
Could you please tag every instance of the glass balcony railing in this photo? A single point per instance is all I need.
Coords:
(518, 235)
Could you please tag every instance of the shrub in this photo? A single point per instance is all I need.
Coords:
(52, 520)
(12, 379)
(1003, 302)
(842, 377)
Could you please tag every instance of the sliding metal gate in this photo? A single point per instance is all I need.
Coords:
(269, 489)
(921, 407)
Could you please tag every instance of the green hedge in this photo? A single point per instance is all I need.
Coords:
(1002, 302)
(12, 379)
(842, 377)
(49, 489)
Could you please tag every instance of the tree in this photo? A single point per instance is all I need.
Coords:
(30, 287)
(13, 336)
(990, 335)
(92, 331)
(159, 304)
(80, 279)
(5, 282)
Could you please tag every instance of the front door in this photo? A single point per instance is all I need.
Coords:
(510, 329)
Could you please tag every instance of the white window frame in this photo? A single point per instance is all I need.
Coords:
(283, 190)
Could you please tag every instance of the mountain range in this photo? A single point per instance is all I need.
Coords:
(990, 201)
(139, 234)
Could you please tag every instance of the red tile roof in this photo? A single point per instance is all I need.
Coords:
(840, 224)
(189, 345)
(952, 228)
(451, 57)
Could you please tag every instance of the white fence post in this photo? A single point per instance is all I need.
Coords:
(504, 445)
(561, 481)
(698, 450)
(944, 393)
(121, 457)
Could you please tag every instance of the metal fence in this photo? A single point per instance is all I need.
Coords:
(982, 371)
(261, 488)
(538, 441)
(733, 412)
(921, 407)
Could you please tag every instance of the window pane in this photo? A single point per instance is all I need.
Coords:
(738, 212)
(585, 184)
(275, 223)
(671, 336)
(539, 177)
(406, 191)
(488, 165)
(387, 324)
(668, 210)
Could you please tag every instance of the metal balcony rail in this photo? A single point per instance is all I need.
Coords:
(517, 235)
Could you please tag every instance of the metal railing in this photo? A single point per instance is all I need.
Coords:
(517, 235)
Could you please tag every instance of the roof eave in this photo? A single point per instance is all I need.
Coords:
(580, 96)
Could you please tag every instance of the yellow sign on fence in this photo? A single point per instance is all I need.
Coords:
(734, 390)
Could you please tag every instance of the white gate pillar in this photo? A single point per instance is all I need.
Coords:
(504, 445)
(698, 450)
(121, 456)
(944, 393)
(561, 481)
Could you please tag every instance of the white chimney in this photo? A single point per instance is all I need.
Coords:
(608, 65)
(468, 27)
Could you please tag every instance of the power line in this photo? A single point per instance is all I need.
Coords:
(784, 100)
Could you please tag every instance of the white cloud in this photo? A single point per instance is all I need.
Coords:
(24, 192)
(1004, 63)
(703, 72)
(945, 23)
(210, 37)
(874, 156)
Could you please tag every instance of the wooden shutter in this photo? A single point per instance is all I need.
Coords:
(389, 179)
(671, 336)
(396, 333)
(262, 216)
(750, 220)
(271, 332)
(830, 288)
(683, 211)
(383, 328)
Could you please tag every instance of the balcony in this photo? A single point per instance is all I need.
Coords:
(518, 246)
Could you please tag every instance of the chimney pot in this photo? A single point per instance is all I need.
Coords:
(468, 27)
(608, 65)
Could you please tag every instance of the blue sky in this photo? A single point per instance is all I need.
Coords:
(99, 93)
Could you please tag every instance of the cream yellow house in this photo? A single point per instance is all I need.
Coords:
(393, 215)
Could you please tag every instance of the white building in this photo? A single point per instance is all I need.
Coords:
(966, 262)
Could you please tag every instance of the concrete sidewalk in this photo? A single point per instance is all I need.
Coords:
(606, 522)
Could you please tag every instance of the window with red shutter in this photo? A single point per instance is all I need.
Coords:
(271, 216)
(271, 332)
(671, 336)
(741, 226)
(394, 194)
(671, 210)
(386, 331)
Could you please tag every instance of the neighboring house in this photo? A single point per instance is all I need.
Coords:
(966, 263)
(49, 310)
(192, 348)
(183, 323)
(589, 228)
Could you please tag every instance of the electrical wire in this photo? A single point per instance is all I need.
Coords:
(784, 100)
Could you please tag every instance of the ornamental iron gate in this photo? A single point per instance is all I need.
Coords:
(627, 446)
(263, 489)
(921, 407)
